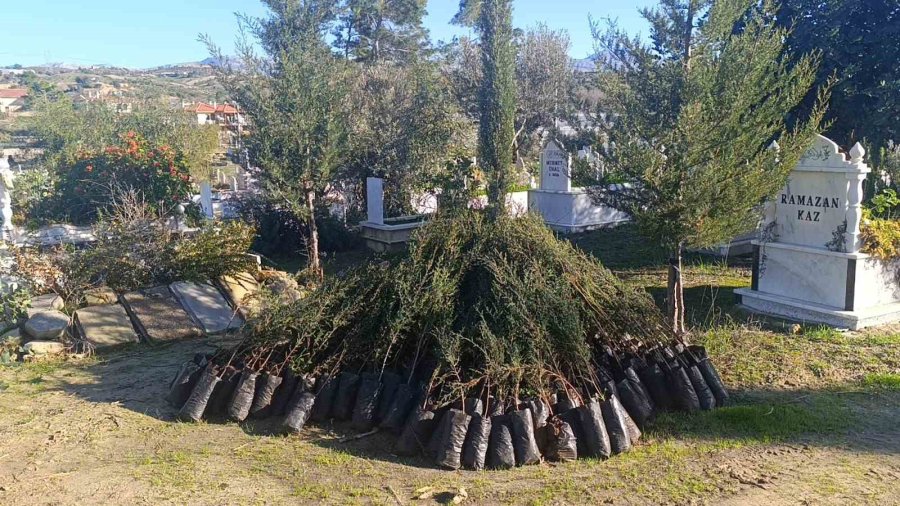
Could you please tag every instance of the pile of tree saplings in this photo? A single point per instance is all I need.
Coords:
(492, 344)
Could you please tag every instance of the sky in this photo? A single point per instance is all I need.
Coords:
(148, 33)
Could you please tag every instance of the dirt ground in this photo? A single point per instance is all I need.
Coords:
(98, 431)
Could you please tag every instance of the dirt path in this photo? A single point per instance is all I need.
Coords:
(100, 433)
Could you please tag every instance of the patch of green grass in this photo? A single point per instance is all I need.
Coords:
(886, 381)
(760, 423)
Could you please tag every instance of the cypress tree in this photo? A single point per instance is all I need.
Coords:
(497, 100)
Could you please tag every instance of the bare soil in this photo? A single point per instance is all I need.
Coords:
(98, 431)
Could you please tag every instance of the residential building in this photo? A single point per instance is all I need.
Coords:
(12, 100)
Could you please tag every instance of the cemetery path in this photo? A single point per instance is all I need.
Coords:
(99, 432)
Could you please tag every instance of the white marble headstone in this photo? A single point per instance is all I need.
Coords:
(206, 199)
(375, 200)
(819, 207)
(556, 166)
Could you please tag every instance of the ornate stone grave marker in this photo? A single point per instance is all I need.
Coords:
(807, 260)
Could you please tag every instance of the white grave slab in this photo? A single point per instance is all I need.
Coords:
(207, 306)
(807, 261)
(564, 208)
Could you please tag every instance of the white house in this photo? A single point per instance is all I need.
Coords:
(12, 100)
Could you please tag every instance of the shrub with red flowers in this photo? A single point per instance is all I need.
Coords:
(157, 173)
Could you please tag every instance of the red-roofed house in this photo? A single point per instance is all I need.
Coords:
(12, 100)
(205, 112)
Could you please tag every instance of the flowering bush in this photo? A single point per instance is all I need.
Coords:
(158, 173)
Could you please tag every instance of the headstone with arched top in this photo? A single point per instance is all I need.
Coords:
(808, 263)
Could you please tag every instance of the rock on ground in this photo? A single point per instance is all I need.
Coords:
(43, 303)
(44, 348)
(47, 325)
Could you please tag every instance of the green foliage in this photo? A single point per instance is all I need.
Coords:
(884, 205)
(65, 131)
(880, 236)
(33, 197)
(694, 114)
(375, 31)
(89, 186)
(135, 248)
(14, 304)
(859, 42)
(497, 99)
(500, 305)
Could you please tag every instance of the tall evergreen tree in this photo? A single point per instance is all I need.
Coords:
(691, 117)
(860, 45)
(381, 30)
(497, 99)
(296, 96)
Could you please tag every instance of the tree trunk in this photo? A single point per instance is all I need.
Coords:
(675, 293)
(312, 246)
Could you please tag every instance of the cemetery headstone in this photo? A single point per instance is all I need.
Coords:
(206, 200)
(807, 261)
(6, 187)
(556, 165)
(375, 200)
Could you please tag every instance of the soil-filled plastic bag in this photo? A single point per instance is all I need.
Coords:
(524, 442)
(299, 409)
(681, 389)
(453, 437)
(655, 380)
(218, 401)
(634, 433)
(540, 412)
(366, 405)
(704, 395)
(265, 392)
(474, 406)
(416, 433)
(183, 384)
(563, 444)
(500, 454)
(476, 445)
(440, 427)
(573, 418)
(596, 439)
(346, 396)
(635, 403)
(711, 375)
(635, 380)
(390, 381)
(326, 392)
(242, 398)
(285, 392)
(616, 427)
(396, 416)
(192, 410)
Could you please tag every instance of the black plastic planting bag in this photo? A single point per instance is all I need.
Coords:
(265, 392)
(500, 454)
(346, 396)
(396, 416)
(323, 407)
(476, 445)
(681, 389)
(495, 407)
(573, 418)
(366, 406)
(218, 402)
(193, 409)
(711, 375)
(540, 412)
(616, 427)
(596, 440)
(181, 387)
(440, 427)
(563, 445)
(389, 383)
(242, 398)
(416, 433)
(635, 402)
(635, 380)
(704, 395)
(453, 437)
(474, 406)
(655, 380)
(524, 442)
(285, 392)
(298, 411)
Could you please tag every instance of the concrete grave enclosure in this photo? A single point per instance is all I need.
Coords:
(807, 260)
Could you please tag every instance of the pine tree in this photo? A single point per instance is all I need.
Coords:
(497, 100)
(381, 30)
(690, 119)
